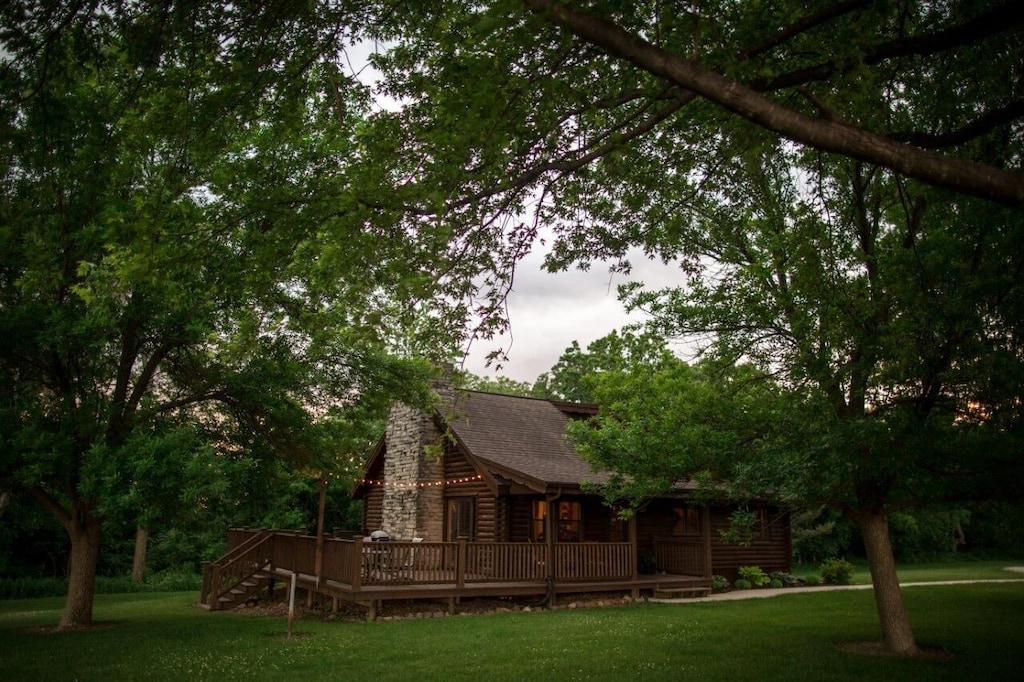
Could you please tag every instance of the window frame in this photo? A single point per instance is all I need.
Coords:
(460, 515)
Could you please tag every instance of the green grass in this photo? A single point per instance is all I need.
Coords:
(933, 572)
(792, 637)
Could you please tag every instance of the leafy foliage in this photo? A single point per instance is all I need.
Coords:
(574, 377)
(189, 277)
(836, 572)
(753, 575)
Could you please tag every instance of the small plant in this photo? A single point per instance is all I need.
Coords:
(787, 579)
(647, 562)
(812, 580)
(719, 582)
(743, 584)
(753, 575)
(775, 583)
(836, 572)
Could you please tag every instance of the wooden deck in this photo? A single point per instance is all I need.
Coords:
(369, 573)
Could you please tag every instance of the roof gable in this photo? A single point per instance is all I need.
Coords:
(519, 437)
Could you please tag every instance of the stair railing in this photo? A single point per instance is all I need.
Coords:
(221, 576)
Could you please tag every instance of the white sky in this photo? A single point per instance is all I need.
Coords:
(548, 311)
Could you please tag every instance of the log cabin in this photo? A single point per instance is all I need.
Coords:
(484, 496)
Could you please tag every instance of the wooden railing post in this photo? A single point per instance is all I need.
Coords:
(706, 532)
(634, 573)
(356, 577)
(204, 594)
(215, 588)
(460, 564)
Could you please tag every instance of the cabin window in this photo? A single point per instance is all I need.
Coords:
(687, 521)
(538, 512)
(460, 518)
(569, 521)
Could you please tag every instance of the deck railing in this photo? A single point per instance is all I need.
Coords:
(593, 560)
(681, 556)
(362, 563)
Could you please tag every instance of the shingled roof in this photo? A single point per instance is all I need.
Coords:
(519, 438)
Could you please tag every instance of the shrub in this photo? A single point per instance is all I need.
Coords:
(775, 583)
(743, 584)
(164, 581)
(812, 580)
(31, 588)
(647, 562)
(787, 579)
(836, 572)
(753, 575)
(718, 582)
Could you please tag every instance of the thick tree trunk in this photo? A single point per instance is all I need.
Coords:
(139, 558)
(84, 531)
(896, 631)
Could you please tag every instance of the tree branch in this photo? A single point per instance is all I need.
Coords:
(804, 24)
(985, 123)
(960, 175)
(51, 505)
(994, 22)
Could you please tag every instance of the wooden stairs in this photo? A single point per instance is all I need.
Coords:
(682, 592)
(240, 593)
(239, 575)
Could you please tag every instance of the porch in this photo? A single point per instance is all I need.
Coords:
(368, 573)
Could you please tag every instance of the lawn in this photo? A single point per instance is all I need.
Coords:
(792, 637)
(934, 572)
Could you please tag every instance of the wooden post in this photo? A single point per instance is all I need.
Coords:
(549, 546)
(706, 532)
(635, 592)
(204, 591)
(460, 564)
(215, 588)
(355, 578)
(291, 604)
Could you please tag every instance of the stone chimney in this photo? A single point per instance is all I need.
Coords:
(414, 492)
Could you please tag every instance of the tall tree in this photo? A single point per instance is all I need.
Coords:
(181, 251)
(756, 145)
(891, 318)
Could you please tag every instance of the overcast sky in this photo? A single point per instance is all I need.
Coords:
(550, 311)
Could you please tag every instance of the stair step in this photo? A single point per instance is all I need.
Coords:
(680, 592)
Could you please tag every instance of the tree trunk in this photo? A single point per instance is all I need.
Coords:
(139, 558)
(319, 558)
(896, 631)
(84, 532)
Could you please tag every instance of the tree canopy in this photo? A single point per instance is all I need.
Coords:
(184, 262)
(839, 183)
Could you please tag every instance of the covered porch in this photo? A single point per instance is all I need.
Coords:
(368, 573)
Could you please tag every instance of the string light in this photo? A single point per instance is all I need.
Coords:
(421, 484)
